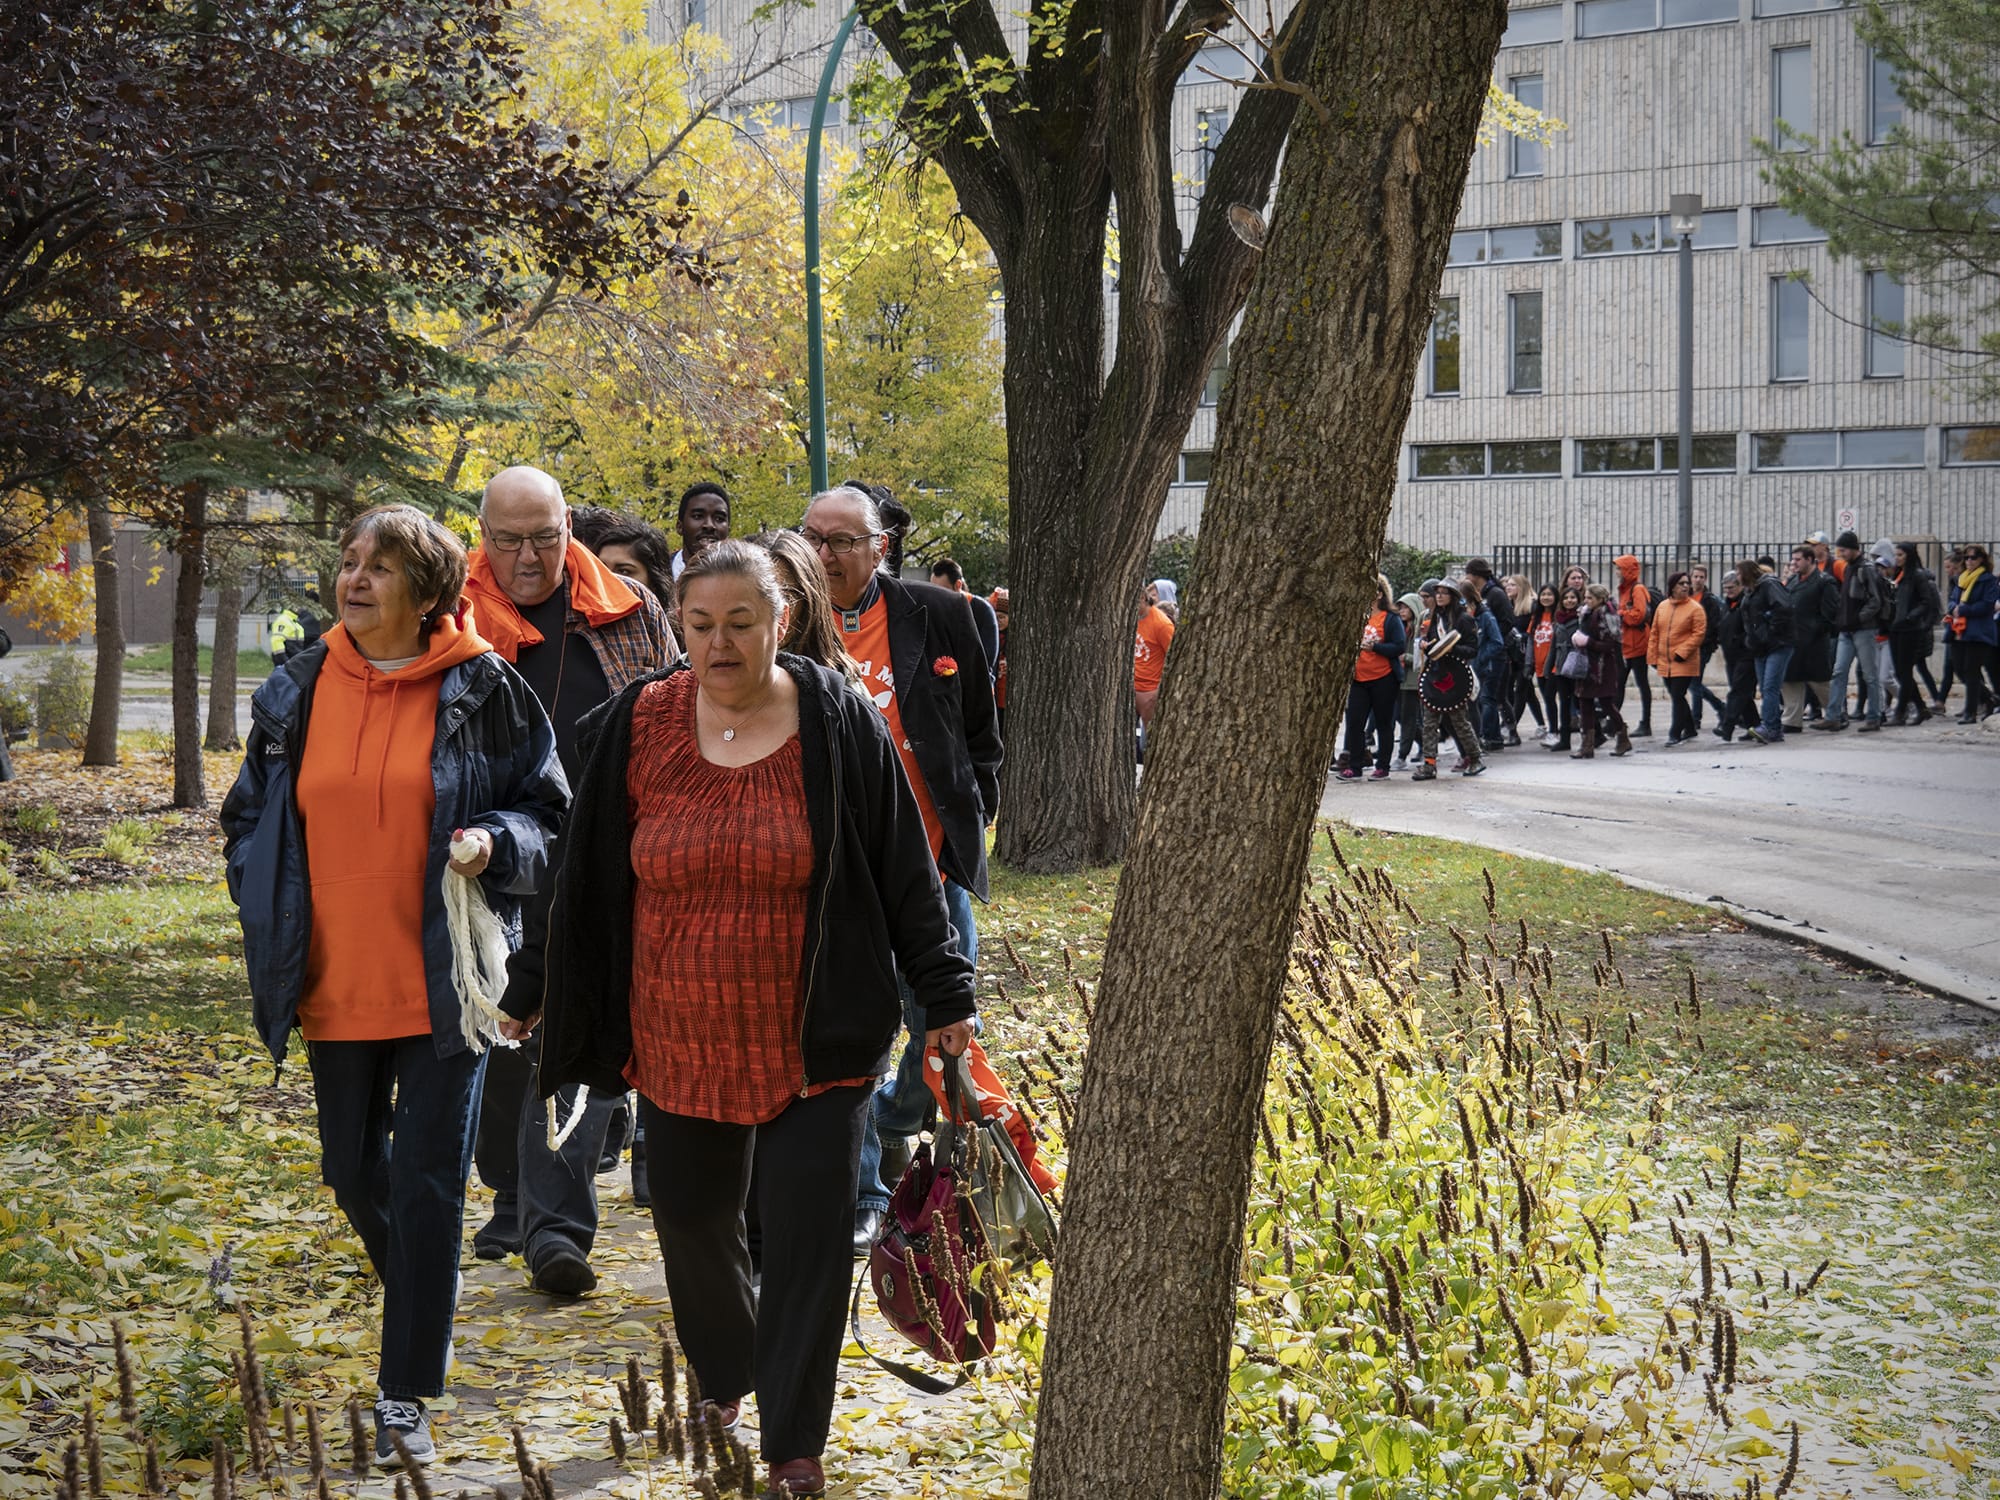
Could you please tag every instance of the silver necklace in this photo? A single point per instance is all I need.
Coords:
(729, 730)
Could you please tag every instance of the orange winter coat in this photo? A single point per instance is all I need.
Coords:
(1676, 636)
(1635, 600)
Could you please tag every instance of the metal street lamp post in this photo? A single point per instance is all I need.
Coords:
(1686, 211)
(815, 330)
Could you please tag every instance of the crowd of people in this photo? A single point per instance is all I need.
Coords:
(1839, 635)
(724, 809)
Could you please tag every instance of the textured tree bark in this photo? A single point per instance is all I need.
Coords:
(222, 663)
(1136, 1379)
(100, 741)
(1091, 449)
(190, 789)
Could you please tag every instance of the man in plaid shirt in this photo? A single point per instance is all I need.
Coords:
(579, 634)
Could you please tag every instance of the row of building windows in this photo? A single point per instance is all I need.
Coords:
(1792, 111)
(1884, 354)
(1638, 234)
(1715, 453)
(1595, 18)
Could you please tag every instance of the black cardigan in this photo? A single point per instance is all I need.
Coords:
(874, 903)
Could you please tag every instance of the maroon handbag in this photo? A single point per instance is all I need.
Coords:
(922, 1266)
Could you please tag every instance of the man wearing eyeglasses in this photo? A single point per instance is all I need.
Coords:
(579, 633)
(927, 673)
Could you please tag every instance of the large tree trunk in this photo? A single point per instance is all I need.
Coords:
(100, 741)
(222, 664)
(1091, 451)
(190, 790)
(1136, 1379)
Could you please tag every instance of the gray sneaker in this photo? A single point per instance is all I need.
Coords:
(406, 1420)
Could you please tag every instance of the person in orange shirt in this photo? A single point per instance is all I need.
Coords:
(399, 744)
(1149, 661)
(1675, 651)
(1635, 611)
(1378, 677)
(925, 671)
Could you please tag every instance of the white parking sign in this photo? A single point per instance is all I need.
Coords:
(1847, 519)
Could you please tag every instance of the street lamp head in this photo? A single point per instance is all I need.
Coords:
(1686, 211)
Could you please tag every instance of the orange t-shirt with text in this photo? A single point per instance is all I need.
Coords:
(1372, 665)
(1149, 650)
(869, 646)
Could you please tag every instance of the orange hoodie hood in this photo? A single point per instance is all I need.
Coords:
(1628, 568)
(450, 643)
(595, 592)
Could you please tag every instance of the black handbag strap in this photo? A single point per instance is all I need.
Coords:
(910, 1375)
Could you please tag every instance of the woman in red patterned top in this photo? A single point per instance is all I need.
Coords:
(745, 869)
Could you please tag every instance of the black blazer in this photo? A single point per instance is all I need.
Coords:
(874, 906)
(949, 719)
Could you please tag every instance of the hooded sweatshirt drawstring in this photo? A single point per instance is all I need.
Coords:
(370, 677)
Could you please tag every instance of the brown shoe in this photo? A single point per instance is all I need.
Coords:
(1588, 751)
(796, 1476)
(1624, 745)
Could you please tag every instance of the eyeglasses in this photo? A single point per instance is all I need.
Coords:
(507, 541)
(839, 546)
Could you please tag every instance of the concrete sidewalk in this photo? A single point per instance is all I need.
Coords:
(1883, 847)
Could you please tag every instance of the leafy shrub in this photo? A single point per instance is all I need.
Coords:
(17, 711)
(39, 818)
(8, 880)
(1406, 567)
(63, 697)
(51, 865)
(1173, 557)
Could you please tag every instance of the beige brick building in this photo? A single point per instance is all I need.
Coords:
(1545, 409)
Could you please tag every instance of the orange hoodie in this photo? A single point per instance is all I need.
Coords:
(595, 592)
(366, 798)
(1634, 599)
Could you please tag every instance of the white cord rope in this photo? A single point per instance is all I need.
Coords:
(478, 953)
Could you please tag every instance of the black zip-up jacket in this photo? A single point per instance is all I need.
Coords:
(1918, 607)
(948, 716)
(874, 904)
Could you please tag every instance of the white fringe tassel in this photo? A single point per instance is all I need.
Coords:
(557, 1137)
(478, 954)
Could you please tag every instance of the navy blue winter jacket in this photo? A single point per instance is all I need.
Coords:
(493, 766)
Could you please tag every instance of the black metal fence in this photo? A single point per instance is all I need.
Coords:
(1658, 562)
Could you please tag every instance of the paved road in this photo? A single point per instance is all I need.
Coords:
(147, 701)
(1885, 847)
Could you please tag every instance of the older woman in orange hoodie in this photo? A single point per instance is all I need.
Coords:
(1674, 649)
(396, 748)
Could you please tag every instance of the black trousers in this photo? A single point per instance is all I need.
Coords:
(1979, 665)
(1906, 651)
(1682, 724)
(1740, 712)
(1558, 705)
(1591, 710)
(543, 1200)
(785, 1343)
(1374, 700)
(1635, 666)
(396, 1123)
(1411, 729)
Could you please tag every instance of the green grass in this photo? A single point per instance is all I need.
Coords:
(169, 954)
(250, 665)
(139, 1083)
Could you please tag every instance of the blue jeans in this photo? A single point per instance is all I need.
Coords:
(396, 1123)
(903, 1103)
(1771, 682)
(1856, 649)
